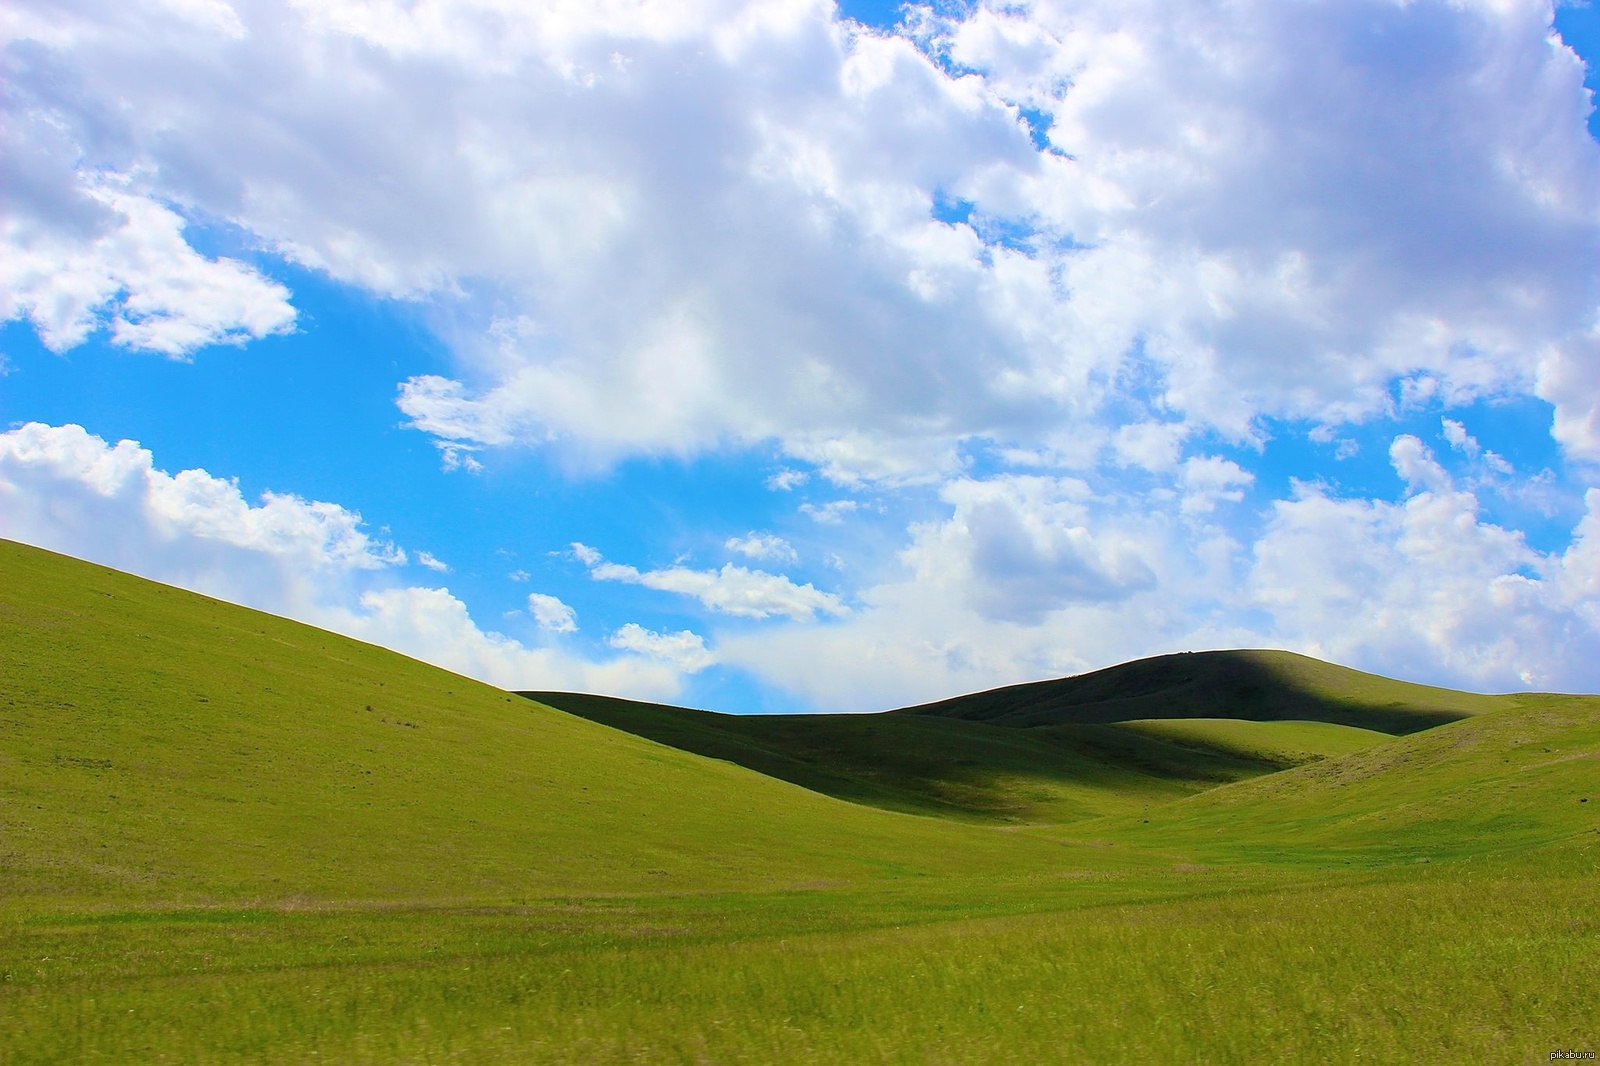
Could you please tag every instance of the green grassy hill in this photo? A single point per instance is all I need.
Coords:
(226, 837)
(1510, 781)
(1278, 745)
(1251, 685)
(974, 770)
(156, 744)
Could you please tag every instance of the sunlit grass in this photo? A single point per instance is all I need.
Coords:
(225, 837)
(1476, 964)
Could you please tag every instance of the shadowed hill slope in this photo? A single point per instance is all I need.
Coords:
(1252, 685)
(162, 746)
(975, 770)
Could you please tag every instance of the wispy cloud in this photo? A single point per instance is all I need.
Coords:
(731, 590)
(428, 560)
(829, 514)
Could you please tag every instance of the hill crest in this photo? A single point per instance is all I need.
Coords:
(1249, 684)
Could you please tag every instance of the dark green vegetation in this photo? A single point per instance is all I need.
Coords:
(229, 837)
(1255, 686)
(974, 770)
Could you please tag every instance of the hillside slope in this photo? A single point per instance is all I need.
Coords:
(1508, 781)
(1248, 684)
(155, 744)
(975, 770)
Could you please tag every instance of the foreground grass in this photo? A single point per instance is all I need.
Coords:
(1478, 964)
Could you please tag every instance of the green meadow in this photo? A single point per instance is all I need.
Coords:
(227, 837)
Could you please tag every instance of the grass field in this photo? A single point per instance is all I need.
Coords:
(225, 837)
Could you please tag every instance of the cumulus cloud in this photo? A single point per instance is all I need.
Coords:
(1569, 378)
(113, 505)
(432, 625)
(437, 565)
(1459, 439)
(552, 614)
(733, 590)
(660, 232)
(1031, 577)
(685, 650)
(1428, 581)
(1082, 237)
(1019, 547)
(64, 489)
(131, 273)
(763, 546)
(1210, 480)
(1152, 445)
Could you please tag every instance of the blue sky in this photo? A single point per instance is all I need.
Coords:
(774, 356)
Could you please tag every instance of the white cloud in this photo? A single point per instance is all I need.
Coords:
(552, 614)
(133, 274)
(456, 456)
(829, 514)
(673, 228)
(733, 590)
(1456, 435)
(1210, 480)
(64, 489)
(685, 650)
(1018, 547)
(63, 480)
(434, 626)
(715, 224)
(438, 566)
(1031, 577)
(763, 546)
(1152, 445)
(1428, 583)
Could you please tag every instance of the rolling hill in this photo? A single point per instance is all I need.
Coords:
(1508, 781)
(1249, 685)
(975, 770)
(156, 744)
(1057, 751)
(227, 837)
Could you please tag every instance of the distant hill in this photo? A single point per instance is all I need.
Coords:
(1058, 751)
(975, 770)
(1257, 686)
